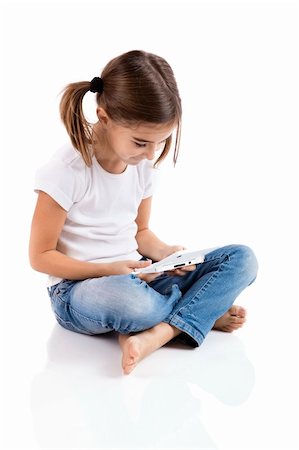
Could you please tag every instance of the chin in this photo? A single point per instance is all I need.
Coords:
(134, 162)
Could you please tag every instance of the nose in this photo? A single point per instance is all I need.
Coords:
(150, 154)
(151, 150)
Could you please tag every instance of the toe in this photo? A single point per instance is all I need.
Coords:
(237, 320)
(128, 368)
(236, 310)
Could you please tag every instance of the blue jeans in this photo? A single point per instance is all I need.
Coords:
(126, 304)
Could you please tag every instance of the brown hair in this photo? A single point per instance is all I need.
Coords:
(139, 87)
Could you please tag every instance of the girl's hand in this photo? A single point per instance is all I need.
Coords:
(126, 267)
(182, 271)
(170, 249)
(148, 277)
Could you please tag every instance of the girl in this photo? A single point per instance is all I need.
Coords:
(90, 226)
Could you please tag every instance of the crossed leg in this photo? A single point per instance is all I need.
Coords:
(136, 347)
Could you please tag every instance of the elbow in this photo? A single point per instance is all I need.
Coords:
(35, 262)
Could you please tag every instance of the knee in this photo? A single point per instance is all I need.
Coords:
(138, 306)
(245, 261)
(123, 303)
(139, 313)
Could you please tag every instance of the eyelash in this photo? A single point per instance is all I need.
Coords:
(143, 145)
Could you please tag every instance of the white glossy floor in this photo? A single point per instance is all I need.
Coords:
(236, 181)
(238, 391)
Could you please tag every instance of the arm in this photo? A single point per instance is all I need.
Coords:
(152, 247)
(48, 220)
(149, 244)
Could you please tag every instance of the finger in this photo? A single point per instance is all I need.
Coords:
(148, 277)
(183, 270)
(175, 248)
(188, 268)
(139, 264)
(176, 272)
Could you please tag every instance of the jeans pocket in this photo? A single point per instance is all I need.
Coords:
(60, 304)
(59, 307)
(60, 297)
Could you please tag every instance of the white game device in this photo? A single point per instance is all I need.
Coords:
(178, 259)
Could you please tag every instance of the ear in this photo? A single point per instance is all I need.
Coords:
(103, 116)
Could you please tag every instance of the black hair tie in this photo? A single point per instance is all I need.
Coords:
(96, 85)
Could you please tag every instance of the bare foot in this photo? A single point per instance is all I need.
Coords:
(233, 319)
(136, 347)
(132, 352)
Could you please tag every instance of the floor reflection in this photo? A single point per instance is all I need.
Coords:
(81, 400)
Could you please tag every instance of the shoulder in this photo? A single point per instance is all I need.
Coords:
(63, 176)
(68, 157)
(66, 160)
(146, 169)
(147, 177)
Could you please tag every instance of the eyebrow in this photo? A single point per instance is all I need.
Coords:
(144, 140)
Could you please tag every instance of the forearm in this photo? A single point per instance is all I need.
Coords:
(151, 246)
(53, 262)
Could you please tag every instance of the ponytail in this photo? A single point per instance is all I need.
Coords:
(135, 87)
(77, 127)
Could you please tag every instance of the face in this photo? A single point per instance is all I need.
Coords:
(132, 145)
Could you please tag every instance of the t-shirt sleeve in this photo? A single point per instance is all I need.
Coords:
(149, 179)
(61, 181)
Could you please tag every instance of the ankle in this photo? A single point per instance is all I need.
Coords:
(163, 333)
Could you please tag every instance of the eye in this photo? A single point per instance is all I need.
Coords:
(139, 145)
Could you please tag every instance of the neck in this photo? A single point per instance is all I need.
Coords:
(103, 152)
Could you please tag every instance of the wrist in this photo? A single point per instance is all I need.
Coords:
(170, 249)
(102, 269)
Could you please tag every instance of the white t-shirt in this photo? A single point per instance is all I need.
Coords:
(101, 206)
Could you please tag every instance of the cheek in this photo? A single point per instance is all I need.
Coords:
(113, 141)
(123, 147)
(117, 145)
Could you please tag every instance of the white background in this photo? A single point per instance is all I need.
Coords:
(236, 181)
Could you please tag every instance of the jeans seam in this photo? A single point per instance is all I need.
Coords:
(89, 319)
(186, 328)
(97, 322)
(72, 311)
(70, 323)
(213, 258)
(204, 287)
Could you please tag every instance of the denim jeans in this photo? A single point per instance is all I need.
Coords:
(124, 303)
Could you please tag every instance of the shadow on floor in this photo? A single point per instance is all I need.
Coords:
(81, 400)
